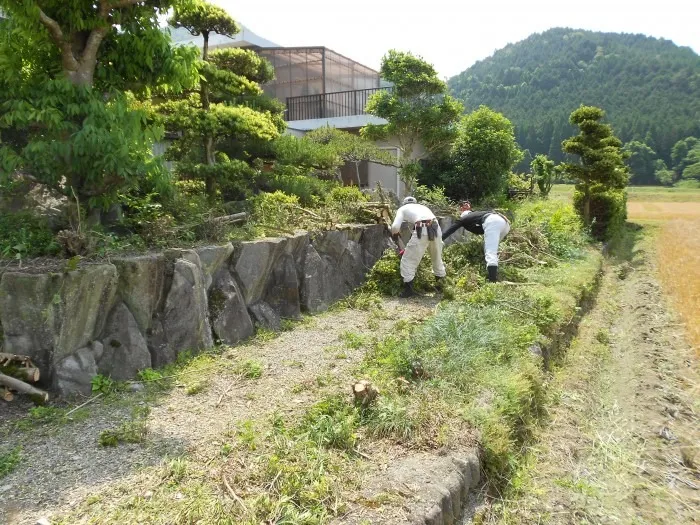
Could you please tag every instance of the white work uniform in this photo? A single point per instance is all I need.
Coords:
(495, 228)
(415, 249)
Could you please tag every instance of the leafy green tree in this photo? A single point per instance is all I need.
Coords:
(418, 111)
(544, 173)
(664, 175)
(64, 69)
(680, 151)
(483, 154)
(691, 163)
(350, 147)
(641, 162)
(601, 165)
(226, 107)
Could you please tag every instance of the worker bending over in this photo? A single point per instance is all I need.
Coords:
(426, 234)
(491, 224)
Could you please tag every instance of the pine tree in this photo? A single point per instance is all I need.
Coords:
(601, 163)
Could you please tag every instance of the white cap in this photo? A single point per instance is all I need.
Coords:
(409, 200)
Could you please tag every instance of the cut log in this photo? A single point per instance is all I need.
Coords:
(364, 392)
(6, 394)
(23, 360)
(23, 388)
(30, 374)
(227, 219)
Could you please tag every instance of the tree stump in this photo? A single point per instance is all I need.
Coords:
(364, 392)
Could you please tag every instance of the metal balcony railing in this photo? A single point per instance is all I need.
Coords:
(328, 105)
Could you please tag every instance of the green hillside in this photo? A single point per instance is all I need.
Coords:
(649, 88)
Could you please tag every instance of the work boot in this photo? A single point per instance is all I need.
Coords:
(439, 283)
(407, 290)
(493, 273)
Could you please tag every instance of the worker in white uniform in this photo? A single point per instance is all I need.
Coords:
(491, 224)
(426, 234)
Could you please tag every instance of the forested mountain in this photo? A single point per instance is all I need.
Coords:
(649, 88)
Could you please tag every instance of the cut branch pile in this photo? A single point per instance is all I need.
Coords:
(16, 371)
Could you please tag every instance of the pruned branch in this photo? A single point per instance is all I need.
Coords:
(22, 387)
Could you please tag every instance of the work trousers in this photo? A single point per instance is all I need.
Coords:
(415, 249)
(495, 228)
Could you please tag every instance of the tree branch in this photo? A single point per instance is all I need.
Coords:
(56, 33)
(53, 27)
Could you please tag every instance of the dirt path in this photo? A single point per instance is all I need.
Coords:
(623, 443)
(63, 465)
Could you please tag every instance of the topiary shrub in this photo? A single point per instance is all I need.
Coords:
(608, 212)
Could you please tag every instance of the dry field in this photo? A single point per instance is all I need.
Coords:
(674, 215)
(677, 247)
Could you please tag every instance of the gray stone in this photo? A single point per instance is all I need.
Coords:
(253, 262)
(316, 284)
(282, 292)
(49, 316)
(186, 316)
(73, 374)
(141, 286)
(31, 318)
(173, 254)
(535, 350)
(161, 353)
(87, 297)
(213, 258)
(263, 315)
(125, 349)
(136, 387)
(351, 266)
(375, 241)
(227, 310)
(331, 243)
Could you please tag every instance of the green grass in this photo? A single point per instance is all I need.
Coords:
(9, 461)
(250, 369)
(639, 193)
(134, 430)
(49, 416)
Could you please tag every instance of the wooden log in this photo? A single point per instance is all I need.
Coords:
(23, 388)
(30, 374)
(236, 217)
(6, 394)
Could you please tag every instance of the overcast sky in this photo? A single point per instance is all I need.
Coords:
(453, 34)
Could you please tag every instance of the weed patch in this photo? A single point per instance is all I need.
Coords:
(9, 461)
(133, 431)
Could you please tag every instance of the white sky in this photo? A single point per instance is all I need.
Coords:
(453, 34)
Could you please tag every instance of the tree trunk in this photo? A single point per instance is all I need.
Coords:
(587, 207)
(204, 95)
(357, 173)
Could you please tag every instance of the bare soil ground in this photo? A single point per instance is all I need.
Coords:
(63, 465)
(623, 442)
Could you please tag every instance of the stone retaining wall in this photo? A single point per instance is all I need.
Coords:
(142, 311)
(138, 312)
